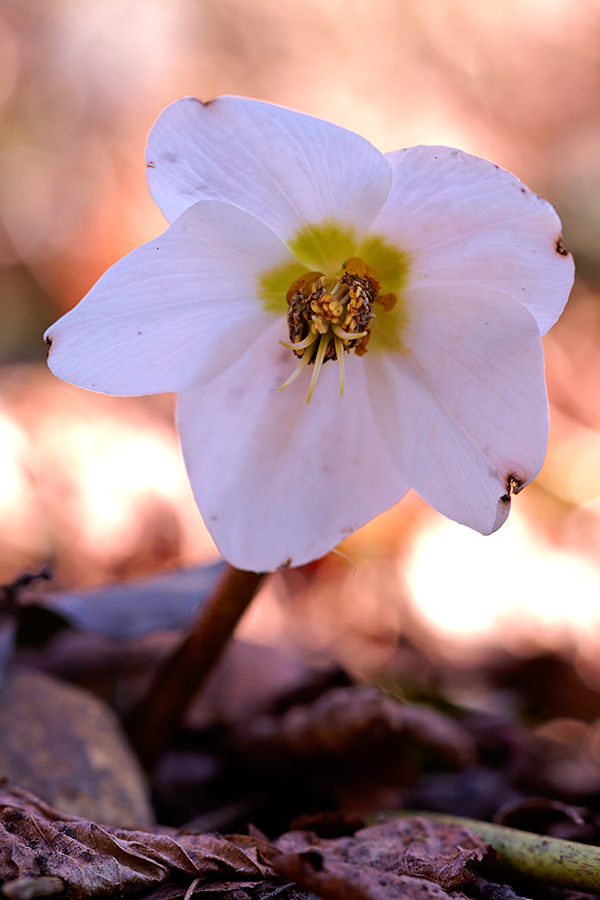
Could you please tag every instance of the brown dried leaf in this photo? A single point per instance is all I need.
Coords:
(33, 888)
(345, 720)
(234, 890)
(375, 858)
(366, 746)
(92, 860)
(251, 680)
(335, 880)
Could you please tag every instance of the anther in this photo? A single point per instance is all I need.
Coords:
(328, 317)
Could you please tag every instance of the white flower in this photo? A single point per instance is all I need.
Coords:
(453, 267)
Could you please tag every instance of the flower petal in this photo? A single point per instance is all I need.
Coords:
(288, 169)
(465, 220)
(280, 482)
(173, 312)
(465, 409)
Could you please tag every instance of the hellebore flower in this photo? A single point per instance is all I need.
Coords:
(411, 287)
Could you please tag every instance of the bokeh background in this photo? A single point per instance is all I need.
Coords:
(94, 485)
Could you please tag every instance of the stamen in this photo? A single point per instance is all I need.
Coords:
(347, 335)
(329, 315)
(322, 350)
(339, 352)
(340, 287)
(304, 361)
(301, 344)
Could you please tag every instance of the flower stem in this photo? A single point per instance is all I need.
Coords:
(152, 723)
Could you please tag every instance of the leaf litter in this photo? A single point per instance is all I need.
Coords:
(37, 841)
(301, 752)
(93, 860)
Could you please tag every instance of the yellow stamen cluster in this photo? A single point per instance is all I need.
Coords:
(328, 317)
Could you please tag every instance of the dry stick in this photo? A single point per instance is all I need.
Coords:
(154, 720)
(555, 861)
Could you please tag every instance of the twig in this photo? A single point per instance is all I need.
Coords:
(545, 859)
(9, 593)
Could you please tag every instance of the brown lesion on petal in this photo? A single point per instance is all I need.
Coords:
(48, 340)
(560, 247)
(150, 165)
(513, 485)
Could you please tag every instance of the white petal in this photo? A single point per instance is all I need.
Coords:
(280, 482)
(465, 220)
(286, 168)
(174, 311)
(465, 408)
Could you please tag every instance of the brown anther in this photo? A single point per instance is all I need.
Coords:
(356, 303)
(358, 267)
(361, 347)
(388, 301)
(333, 310)
(328, 316)
(300, 285)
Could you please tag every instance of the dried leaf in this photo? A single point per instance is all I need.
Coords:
(233, 890)
(251, 680)
(489, 890)
(366, 746)
(32, 888)
(548, 686)
(344, 720)
(37, 840)
(330, 823)
(411, 857)
(414, 846)
(126, 611)
(567, 761)
(332, 879)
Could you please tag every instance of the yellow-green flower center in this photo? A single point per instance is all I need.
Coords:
(329, 315)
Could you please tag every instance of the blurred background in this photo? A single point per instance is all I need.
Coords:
(95, 486)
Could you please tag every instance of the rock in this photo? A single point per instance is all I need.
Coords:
(66, 746)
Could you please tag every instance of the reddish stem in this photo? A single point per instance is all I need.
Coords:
(153, 722)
